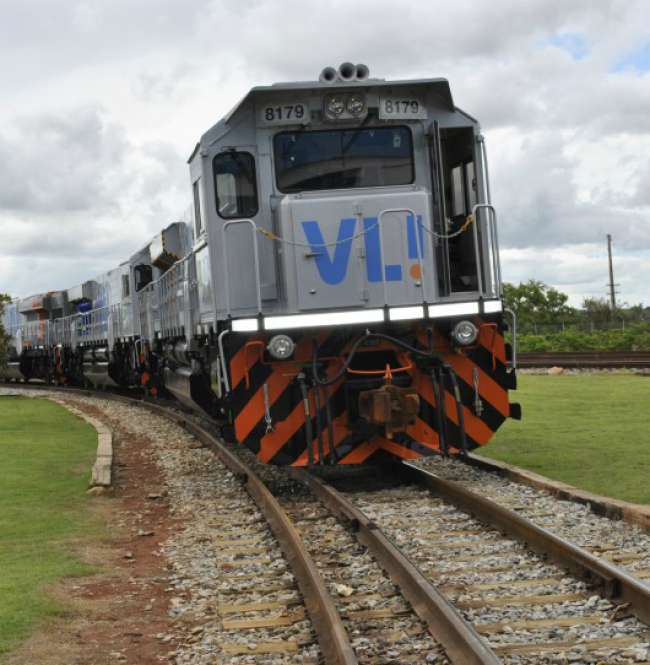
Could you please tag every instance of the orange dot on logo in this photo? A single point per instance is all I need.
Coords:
(415, 271)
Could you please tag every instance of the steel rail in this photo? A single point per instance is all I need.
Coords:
(332, 636)
(613, 582)
(585, 359)
(462, 644)
(330, 632)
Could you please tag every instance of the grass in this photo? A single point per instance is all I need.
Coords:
(588, 430)
(45, 459)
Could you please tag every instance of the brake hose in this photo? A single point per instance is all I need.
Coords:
(353, 350)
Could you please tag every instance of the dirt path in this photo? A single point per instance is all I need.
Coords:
(119, 615)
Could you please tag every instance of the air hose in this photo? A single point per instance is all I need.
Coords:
(437, 376)
(347, 362)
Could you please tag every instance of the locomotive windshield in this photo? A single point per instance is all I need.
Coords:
(343, 159)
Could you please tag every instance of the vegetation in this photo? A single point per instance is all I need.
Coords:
(4, 339)
(45, 459)
(534, 302)
(588, 430)
(547, 323)
(635, 337)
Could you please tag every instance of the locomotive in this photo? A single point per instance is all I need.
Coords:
(333, 294)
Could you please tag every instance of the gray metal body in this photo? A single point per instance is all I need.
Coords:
(252, 273)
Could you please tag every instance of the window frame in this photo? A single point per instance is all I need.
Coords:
(344, 129)
(216, 190)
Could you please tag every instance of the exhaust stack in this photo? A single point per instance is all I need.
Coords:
(328, 75)
(347, 72)
(362, 72)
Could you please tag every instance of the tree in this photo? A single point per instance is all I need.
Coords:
(597, 310)
(4, 337)
(535, 302)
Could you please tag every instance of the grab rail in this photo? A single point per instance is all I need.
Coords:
(513, 361)
(494, 265)
(419, 250)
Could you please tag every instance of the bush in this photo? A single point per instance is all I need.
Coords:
(634, 338)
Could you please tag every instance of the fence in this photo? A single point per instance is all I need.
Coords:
(549, 328)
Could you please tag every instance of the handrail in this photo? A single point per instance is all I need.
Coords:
(417, 246)
(222, 359)
(258, 283)
(495, 267)
(513, 362)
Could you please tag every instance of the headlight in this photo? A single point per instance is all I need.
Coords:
(335, 105)
(281, 347)
(464, 333)
(356, 104)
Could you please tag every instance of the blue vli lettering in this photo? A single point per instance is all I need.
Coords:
(332, 261)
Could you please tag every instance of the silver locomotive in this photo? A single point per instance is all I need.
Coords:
(334, 293)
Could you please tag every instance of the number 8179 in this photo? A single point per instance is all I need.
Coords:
(283, 114)
(394, 107)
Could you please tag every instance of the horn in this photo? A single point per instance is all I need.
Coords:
(328, 75)
(347, 71)
(362, 72)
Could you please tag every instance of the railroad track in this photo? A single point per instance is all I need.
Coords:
(426, 572)
(587, 359)
(356, 612)
(509, 577)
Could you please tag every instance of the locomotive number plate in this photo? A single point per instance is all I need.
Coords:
(294, 113)
(391, 108)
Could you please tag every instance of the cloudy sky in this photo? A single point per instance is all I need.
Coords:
(102, 102)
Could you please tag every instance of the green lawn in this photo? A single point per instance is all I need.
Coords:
(588, 430)
(45, 459)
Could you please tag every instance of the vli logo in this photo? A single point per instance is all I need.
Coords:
(332, 262)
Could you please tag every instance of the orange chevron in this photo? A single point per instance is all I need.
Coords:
(474, 426)
(240, 363)
(492, 340)
(424, 434)
(361, 453)
(396, 449)
(286, 428)
(278, 381)
(489, 389)
(251, 414)
(340, 432)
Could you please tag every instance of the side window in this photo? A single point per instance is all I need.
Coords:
(198, 221)
(235, 184)
(457, 191)
(143, 275)
(126, 291)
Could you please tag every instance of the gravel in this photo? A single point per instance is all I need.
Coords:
(622, 543)
(483, 573)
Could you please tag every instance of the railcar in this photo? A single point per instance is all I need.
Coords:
(333, 294)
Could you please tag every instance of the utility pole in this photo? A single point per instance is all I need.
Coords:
(612, 291)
